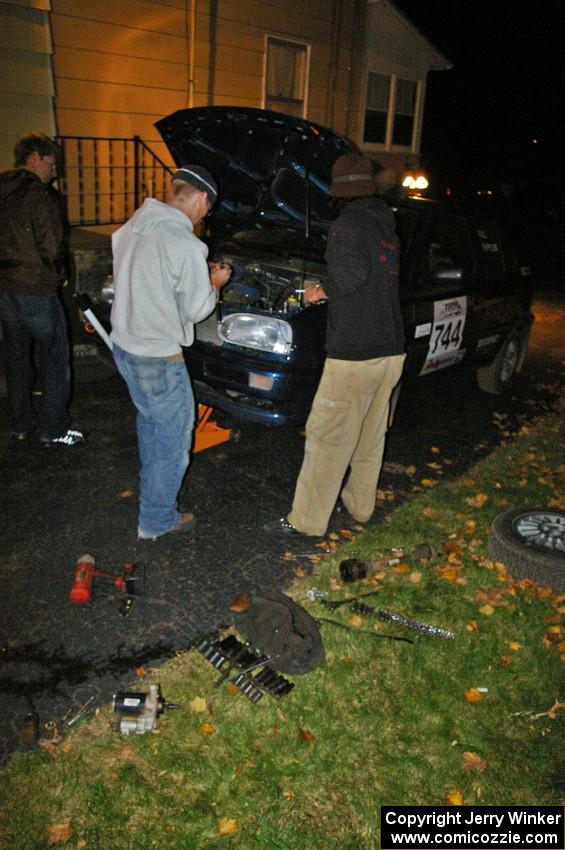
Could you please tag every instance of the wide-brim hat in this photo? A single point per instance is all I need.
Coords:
(198, 177)
(353, 176)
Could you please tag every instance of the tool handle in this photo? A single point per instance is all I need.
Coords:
(83, 577)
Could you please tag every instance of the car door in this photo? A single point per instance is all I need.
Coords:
(436, 291)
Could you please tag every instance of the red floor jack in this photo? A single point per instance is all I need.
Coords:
(207, 432)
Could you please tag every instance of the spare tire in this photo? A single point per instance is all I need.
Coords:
(530, 542)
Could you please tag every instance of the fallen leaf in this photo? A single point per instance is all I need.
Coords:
(335, 585)
(198, 705)
(299, 572)
(477, 501)
(207, 729)
(126, 754)
(80, 845)
(454, 798)
(429, 512)
(141, 671)
(487, 610)
(515, 646)
(240, 603)
(472, 626)
(507, 660)
(306, 736)
(288, 794)
(333, 536)
(434, 450)
(125, 494)
(473, 695)
(410, 470)
(346, 533)
(473, 761)
(232, 689)
(59, 833)
(227, 826)
(428, 482)
(347, 659)
(281, 715)
(356, 621)
(416, 578)
(402, 568)
(447, 573)
(275, 731)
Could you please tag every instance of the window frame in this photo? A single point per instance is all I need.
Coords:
(283, 40)
(387, 145)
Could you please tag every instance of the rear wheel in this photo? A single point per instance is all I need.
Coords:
(495, 377)
(530, 542)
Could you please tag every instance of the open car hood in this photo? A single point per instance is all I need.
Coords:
(268, 166)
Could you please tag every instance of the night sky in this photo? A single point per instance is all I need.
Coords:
(506, 89)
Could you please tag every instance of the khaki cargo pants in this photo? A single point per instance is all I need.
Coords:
(346, 428)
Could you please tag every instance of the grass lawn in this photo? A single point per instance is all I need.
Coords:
(476, 720)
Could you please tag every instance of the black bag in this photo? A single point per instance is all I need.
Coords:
(277, 626)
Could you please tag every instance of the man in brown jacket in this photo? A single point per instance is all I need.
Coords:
(32, 267)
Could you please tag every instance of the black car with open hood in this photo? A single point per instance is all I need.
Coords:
(465, 290)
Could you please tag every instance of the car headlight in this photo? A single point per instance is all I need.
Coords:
(265, 333)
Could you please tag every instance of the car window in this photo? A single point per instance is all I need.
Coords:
(491, 255)
(446, 256)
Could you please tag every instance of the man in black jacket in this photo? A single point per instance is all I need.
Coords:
(365, 355)
(32, 267)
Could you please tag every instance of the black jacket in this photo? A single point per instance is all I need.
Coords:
(364, 318)
(32, 249)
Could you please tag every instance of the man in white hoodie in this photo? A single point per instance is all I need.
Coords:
(162, 287)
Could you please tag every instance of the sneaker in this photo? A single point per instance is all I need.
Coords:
(185, 523)
(71, 438)
(284, 528)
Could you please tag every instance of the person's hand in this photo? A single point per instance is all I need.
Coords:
(314, 292)
(220, 273)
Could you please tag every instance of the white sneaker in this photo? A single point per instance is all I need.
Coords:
(71, 438)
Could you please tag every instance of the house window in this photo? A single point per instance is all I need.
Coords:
(390, 111)
(404, 109)
(376, 113)
(286, 76)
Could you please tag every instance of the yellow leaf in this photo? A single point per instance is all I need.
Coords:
(472, 626)
(227, 826)
(473, 695)
(427, 482)
(448, 573)
(515, 646)
(299, 572)
(477, 501)
(198, 705)
(473, 761)
(281, 715)
(288, 794)
(356, 621)
(487, 610)
(410, 470)
(347, 659)
(59, 833)
(333, 536)
(207, 729)
(416, 578)
(454, 798)
(434, 450)
(125, 494)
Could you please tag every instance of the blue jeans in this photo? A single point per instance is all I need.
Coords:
(27, 319)
(161, 391)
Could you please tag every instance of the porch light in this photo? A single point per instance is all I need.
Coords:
(418, 182)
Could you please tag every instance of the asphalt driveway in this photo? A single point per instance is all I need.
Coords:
(60, 503)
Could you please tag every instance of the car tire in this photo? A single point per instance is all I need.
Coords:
(496, 377)
(530, 542)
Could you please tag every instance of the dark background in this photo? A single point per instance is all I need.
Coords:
(494, 120)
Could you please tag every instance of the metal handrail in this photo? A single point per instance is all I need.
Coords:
(105, 179)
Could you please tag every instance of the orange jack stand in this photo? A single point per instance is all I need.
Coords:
(208, 433)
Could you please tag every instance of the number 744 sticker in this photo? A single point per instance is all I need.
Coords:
(446, 334)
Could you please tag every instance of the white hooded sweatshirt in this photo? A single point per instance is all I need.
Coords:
(162, 281)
